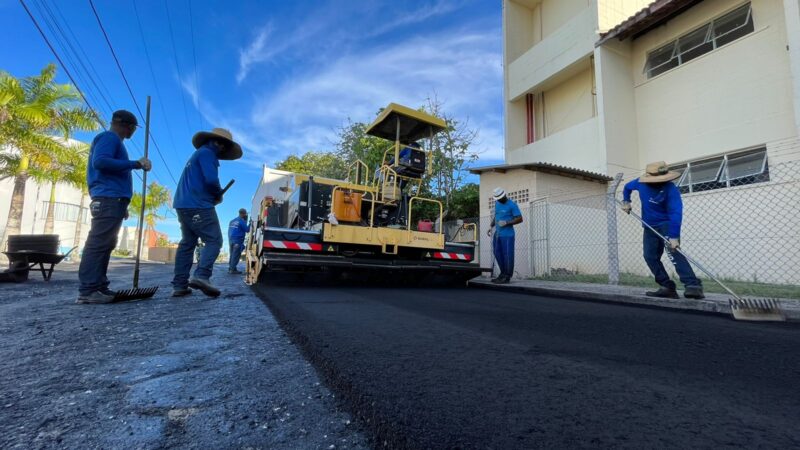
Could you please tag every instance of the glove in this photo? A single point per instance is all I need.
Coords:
(145, 164)
(626, 206)
(674, 244)
(502, 223)
(217, 200)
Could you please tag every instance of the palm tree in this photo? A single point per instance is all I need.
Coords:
(68, 167)
(158, 197)
(34, 110)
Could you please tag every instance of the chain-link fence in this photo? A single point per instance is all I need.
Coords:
(745, 230)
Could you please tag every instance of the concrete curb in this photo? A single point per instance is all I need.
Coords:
(708, 305)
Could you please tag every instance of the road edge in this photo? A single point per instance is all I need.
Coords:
(704, 306)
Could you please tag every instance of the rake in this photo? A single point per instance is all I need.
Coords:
(137, 293)
(757, 309)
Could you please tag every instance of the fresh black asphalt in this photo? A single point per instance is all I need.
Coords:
(470, 368)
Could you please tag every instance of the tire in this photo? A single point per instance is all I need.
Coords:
(44, 243)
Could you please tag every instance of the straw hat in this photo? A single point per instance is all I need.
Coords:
(658, 172)
(499, 193)
(231, 152)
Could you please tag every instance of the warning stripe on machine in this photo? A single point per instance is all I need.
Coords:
(290, 245)
(455, 256)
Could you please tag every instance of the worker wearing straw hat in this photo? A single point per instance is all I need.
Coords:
(198, 192)
(662, 209)
(506, 215)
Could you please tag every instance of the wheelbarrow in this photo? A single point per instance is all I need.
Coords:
(46, 262)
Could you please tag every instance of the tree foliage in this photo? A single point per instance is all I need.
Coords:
(318, 164)
(158, 198)
(37, 117)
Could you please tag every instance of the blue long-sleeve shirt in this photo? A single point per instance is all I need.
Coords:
(237, 230)
(661, 204)
(108, 173)
(199, 184)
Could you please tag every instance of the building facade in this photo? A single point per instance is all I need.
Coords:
(710, 86)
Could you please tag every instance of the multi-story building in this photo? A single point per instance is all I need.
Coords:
(599, 87)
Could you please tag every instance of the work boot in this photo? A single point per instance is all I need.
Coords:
(663, 292)
(204, 284)
(494, 280)
(695, 292)
(503, 280)
(181, 292)
(107, 291)
(235, 272)
(95, 298)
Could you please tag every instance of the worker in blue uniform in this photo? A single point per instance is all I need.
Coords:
(108, 176)
(198, 192)
(662, 209)
(237, 230)
(506, 215)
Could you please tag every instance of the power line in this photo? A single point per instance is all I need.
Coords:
(194, 57)
(177, 64)
(63, 66)
(102, 89)
(130, 91)
(153, 76)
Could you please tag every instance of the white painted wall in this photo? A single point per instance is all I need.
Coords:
(569, 103)
(735, 97)
(33, 219)
(577, 146)
(612, 12)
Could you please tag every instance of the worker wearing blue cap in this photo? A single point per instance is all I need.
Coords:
(110, 183)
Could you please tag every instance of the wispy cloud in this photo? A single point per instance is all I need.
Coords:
(461, 64)
(254, 53)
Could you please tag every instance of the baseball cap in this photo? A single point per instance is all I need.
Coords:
(123, 116)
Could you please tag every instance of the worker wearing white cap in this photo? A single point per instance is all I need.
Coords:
(506, 215)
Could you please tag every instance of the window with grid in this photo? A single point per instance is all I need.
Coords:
(710, 36)
(734, 169)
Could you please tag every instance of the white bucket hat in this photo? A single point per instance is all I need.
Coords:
(499, 193)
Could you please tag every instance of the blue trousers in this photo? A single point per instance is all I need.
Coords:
(197, 223)
(236, 254)
(504, 254)
(107, 216)
(653, 249)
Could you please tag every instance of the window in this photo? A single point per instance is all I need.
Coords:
(710, 36)
(735, 169)
(66, 212)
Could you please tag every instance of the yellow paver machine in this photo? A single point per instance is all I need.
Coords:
(368, 226)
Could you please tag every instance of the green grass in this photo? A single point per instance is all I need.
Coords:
(743, 288)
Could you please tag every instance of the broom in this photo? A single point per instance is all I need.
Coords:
(138, 293)
(763, 310)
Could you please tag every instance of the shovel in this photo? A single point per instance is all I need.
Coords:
(138, 293)
(760, 309)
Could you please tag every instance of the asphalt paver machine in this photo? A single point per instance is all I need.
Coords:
(369, 226)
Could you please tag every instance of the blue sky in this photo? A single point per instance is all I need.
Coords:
(281, 75)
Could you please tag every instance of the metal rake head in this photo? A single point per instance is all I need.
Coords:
(758, 309)
(135, 294)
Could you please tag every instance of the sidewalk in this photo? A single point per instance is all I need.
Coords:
(713, 303)
(187, 373)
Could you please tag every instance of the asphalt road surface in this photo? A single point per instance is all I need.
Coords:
(469, 368)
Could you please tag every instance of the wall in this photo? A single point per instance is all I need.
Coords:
(578, 147)
(613, 12)
(33, 220)
(616, 105)
(737, 96)
(569, 103)
(518, 27)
